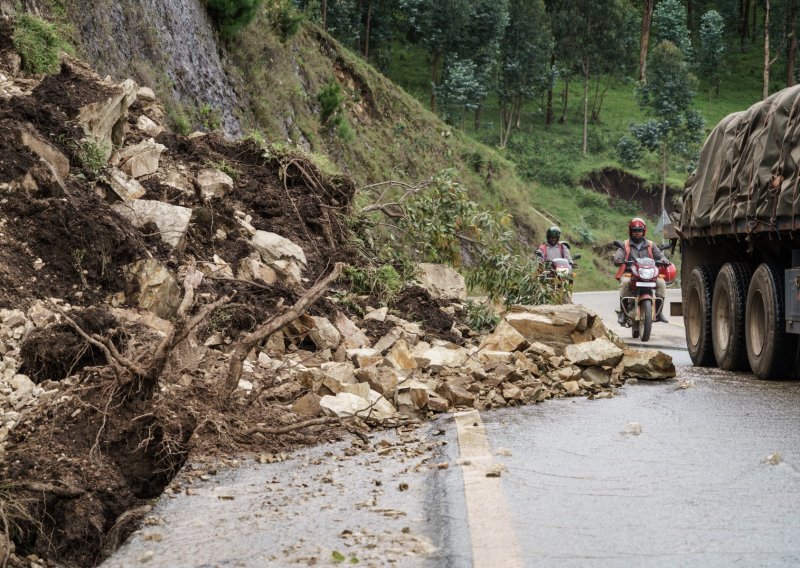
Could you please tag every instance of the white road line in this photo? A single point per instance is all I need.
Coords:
(494, 542)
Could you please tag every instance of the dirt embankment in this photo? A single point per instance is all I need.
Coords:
(619, 184)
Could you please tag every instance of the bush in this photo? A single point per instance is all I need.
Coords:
(330, 100)
(284, 17)
(481, 317)
(39, 44)
(230, 16)
(629, 152)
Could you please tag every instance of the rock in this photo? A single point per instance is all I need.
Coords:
(388, 340)
(148, 126)
(512, 392)
(274, 247)
(252, 269)
(352, 336)
(541, 349)
(382, 380)
(214, 183)
(647, 364)
(145, 318)
(344, 372)
(456, 395)
(447, 355)
(172, 220)
(442, 281)
(324, 334)
(572, 388)
(46, 151)
(141, 159)
(400, 357)
(599, 352)
(495, 357)
(346, 404)
(597, 376)
(146, 94)
(153, 287)
(553, 325)
(126, 188)
(437, 404)
(308, 405)
(104, 121)
(377, 315)
(218, 268)
(504, 338)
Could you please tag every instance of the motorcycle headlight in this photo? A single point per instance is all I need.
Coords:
(647, 273)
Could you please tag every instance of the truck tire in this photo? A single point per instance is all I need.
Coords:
(697, 315)
(728, 308)
(770, 350)
(647, 319)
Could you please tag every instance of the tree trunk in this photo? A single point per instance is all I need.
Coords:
(324, 9)
(367, 30)
(644, 43)
(765, 92)
(565, 98)
(744, 21)
(585, 146)
(664, 161)
(791, 47)
(690, 16)
(754, 29)
(548, 117)
(437, 59)
(603, 97)
(595, 99)
(478, 116)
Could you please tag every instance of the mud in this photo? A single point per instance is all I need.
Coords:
(416, 304)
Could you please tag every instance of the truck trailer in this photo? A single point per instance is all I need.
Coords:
(739, 234)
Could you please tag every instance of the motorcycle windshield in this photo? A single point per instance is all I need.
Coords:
(645, 262)
(560, 263)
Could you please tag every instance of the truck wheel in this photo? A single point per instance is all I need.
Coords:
(770, 350)
(647, 319)
(728, 316)
(697, 315)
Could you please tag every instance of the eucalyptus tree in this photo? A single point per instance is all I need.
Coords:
(670, 21)
(594, 33)
(480, 44)
(438, 25)
(712, 48)
(524, 68)
(674, 129)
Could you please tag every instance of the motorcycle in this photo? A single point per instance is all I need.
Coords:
(643, 307)
(560, 272)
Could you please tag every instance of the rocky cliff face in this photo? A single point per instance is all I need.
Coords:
(162, 43)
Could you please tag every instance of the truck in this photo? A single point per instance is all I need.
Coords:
(739, 235)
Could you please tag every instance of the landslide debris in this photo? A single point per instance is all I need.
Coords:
(134, 262)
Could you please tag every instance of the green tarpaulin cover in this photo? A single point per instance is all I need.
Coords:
(748, 175)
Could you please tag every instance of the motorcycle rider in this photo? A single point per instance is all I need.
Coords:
(637, 246)
(553, 249)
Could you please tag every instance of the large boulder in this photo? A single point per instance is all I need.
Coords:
(556, 325)
(213, 183)
(346, 404)
(647, 364)
(45, 150)
(504, 338)
(442, 281)
(600, 352)
(124, 186)
(280, 253)
(172, 220)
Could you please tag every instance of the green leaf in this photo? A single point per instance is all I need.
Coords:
(337, 557)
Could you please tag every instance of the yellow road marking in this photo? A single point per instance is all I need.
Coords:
(494, 542)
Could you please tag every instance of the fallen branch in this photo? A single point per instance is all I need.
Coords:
(36, 487)
(272, 325)
(293, 427)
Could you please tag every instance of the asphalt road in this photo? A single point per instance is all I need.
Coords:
(700, 470)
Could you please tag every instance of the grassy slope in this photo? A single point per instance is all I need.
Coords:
(551, 160)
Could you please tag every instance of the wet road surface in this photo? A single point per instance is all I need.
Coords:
(694, 488)
(701, 470)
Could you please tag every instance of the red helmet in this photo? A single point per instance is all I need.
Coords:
(668, 272)
(637, 223)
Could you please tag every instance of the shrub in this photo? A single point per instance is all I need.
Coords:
(284, 17)
(39, 44)
(481, 317)
(229, 16)
(330, 99)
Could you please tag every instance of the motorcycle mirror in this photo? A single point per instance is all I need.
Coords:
(618, 244)
(576, 257)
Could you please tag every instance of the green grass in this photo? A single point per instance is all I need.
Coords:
(39, 44)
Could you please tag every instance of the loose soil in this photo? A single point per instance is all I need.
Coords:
(87, 459)
(620, 185)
